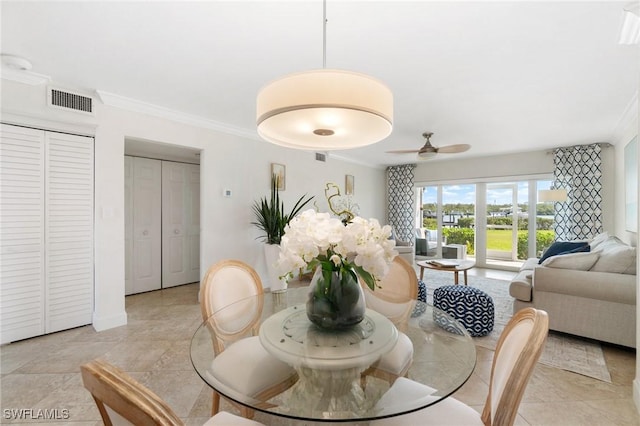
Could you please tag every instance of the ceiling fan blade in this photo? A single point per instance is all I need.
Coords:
(403, 151)
(454, 149)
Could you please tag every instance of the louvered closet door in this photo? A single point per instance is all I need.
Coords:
(69, 231)
(22, 281)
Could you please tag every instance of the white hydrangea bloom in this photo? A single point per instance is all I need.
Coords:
(312, 234)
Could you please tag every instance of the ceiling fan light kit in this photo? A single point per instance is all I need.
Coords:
(326, 109)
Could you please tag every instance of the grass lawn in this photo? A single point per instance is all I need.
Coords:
(499, 239)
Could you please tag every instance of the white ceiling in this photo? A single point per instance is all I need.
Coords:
(501, 76)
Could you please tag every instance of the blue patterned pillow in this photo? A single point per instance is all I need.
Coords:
(565, 247)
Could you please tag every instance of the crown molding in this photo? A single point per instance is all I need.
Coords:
(46, 122)
(25, 77)
(117, 101)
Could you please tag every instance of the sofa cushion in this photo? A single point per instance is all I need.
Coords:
(577, 261)
(564, 247)
(615, 256)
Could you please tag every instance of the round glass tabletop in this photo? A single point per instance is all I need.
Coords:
(333, 368)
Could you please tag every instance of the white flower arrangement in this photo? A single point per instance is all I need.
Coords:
(316, 239)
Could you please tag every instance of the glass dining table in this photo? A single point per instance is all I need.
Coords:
(332, 366)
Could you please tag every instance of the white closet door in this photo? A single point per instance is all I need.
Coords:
(128, 225)
(193, 185)
(147, 225)
(22, 283)
(180, 223)
(69, 231)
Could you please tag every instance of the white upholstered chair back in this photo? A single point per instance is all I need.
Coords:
(396, 294)
(228, 291)
(518, 349)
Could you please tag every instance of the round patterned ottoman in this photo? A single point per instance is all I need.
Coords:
(471, 306)
(422, 297)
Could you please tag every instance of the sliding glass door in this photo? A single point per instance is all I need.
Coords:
(488, 222)
(447, 228)
(502, 218)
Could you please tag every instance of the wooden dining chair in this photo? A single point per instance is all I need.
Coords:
(518, 349)
(233, 317)
(395, 297)
(121, 400)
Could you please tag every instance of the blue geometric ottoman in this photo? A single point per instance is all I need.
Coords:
(422, 297)
(471, 306)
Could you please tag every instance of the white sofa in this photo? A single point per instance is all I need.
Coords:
(590, 294)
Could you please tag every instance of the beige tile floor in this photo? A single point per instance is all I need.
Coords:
(43, 372)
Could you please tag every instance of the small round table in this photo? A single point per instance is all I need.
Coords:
(328, 363)
(462, 266)
(443, 359)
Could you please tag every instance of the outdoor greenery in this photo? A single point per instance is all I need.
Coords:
(497, 239)
(544, 209)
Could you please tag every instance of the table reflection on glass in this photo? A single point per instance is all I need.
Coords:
(330, 364)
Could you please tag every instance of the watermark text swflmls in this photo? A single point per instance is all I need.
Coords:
(35, 414)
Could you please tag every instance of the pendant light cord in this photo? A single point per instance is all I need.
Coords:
(324, 34)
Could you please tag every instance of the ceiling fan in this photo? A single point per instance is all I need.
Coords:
(430, 151)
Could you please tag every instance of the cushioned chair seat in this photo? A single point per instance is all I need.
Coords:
(472, 307)
(449, 412)
(398, 360)
(246, 367)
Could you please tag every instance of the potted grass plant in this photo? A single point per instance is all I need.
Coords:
(272, 219)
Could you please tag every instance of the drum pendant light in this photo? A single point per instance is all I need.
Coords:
(324, 109)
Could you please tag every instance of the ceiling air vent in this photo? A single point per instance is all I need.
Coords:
(321, 157)
(69, 100)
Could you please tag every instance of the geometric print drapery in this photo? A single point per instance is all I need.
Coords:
(401, 201)
(578, 169)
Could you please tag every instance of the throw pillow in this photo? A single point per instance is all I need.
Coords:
(615, 256)
(564, 247)
(575, 261)
(598, 239)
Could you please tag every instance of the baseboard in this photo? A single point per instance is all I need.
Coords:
(636, 394)
(101, 323)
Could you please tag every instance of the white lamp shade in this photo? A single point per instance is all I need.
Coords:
(325, 109)
(552, 195)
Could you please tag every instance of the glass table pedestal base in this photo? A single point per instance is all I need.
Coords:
(329, 394)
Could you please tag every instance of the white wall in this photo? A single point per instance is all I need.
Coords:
(227, 162)
(630, 131)
(508, 165)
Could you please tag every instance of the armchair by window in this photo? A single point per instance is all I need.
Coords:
(426, 241)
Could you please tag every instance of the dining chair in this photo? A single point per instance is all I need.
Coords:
(241, 363)
(395, 297)
(122, 400)
(519, 348)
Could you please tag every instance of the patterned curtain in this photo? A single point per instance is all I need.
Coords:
(401, 201)
(578, 169)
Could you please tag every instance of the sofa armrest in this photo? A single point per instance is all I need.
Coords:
(619, 288)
